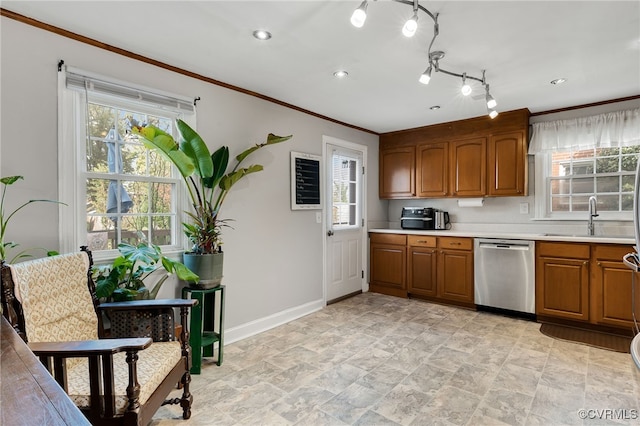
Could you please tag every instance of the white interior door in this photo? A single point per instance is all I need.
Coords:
(345, 219)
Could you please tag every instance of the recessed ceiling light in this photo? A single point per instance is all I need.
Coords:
(262, 34)
(340, 74)
(434, 108)
(558, 81)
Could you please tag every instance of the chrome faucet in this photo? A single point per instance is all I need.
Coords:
(593, 212)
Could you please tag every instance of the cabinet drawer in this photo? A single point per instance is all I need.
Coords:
(564, 250)
(395, 239)
(421, 241)
(455, 243)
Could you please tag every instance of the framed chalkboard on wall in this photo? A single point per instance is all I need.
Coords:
(305, 181)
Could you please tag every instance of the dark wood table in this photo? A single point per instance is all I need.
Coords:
(30, 395)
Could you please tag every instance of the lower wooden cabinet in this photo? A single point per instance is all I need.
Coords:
(584, 283)
(422, 266)
(388, 264)
(455, 269)
(439, 269)
(562, 280)
(612, 296)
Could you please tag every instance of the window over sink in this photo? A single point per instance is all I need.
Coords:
(576, 159)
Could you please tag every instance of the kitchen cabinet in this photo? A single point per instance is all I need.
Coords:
(585, 284)
(432, 170)
(562, 280)
(455, 269)
(397, 172)
(466, 158)
(422, 263)
(388, 264)
(611, 281)
(507, 163)
(468, 165)
(435, 268)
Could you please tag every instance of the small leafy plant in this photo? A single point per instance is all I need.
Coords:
(6, 216)
(124, 278)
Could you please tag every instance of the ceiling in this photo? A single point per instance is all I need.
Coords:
(522, 45)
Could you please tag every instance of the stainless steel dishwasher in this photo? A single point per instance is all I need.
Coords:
(504, 274)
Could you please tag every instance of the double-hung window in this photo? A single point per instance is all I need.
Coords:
(115, 189)
(579, 158)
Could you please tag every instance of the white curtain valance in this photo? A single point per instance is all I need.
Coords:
(614, 129)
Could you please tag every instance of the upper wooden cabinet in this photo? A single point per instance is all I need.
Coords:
(398, 172)
(468, 161)
(508, 164)
(466, 158)
(432, 170)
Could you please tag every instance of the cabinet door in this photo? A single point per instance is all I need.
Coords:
(468, 174)
(388, 265)
(507, 164)
(398, 172)
(455, 275)
(562, 288)
(432, 170)
(611, 292)
(421, 271)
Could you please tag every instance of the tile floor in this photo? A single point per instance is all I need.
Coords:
(381, 360)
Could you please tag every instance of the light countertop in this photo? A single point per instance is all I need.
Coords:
(610, 239)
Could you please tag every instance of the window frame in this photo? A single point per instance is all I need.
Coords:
(72, 136)
(543, 166)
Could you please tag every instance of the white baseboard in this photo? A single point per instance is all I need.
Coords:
(263, 324)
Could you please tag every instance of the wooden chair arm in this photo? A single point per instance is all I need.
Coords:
(84, 348)
(99, 354)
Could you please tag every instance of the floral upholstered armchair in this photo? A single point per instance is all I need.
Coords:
(123, 379)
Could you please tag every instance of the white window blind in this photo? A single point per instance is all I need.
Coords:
(82, 82)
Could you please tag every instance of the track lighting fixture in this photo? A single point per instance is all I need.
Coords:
(491, 103)
(359, 15)
(465, 89)
(411, 25)
(426, 76)
(409, 29)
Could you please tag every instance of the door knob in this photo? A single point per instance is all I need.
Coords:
(329, 233)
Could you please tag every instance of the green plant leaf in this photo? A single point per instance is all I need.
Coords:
(230, 179)
(220, 160)
(271, 140)
(164, 143)
(195, 148)
(10, 180)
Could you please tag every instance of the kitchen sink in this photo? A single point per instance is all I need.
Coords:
(552, 234)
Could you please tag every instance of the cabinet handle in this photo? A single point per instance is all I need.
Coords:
(585, 263)
(422, 241)
(599, 263)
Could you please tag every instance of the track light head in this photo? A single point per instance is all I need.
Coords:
(426, 76)
(465, 89)
(491, 103)
(493, 113)
(359, 15)
(411, 26)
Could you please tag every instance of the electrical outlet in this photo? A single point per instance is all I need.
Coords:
(318, 217)
(524, 208)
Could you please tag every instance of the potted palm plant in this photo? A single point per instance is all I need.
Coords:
(208, 181)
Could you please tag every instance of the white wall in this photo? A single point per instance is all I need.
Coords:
(503, 213)
(273, 257)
